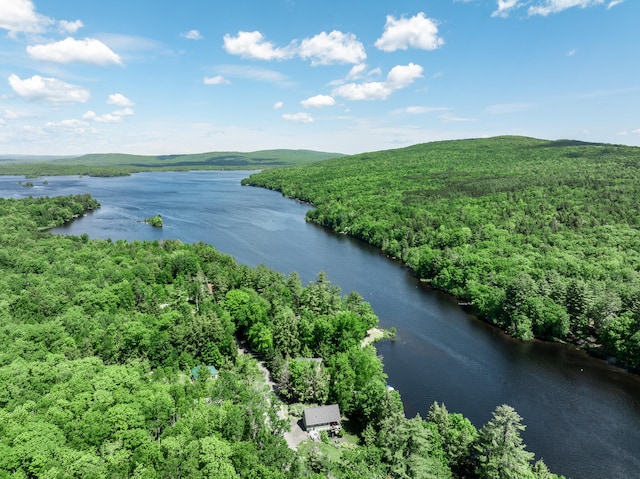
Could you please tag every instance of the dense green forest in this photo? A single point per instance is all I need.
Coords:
(98, 338)
(117, 164)
(541, 236)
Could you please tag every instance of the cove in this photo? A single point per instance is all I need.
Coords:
(582, 415)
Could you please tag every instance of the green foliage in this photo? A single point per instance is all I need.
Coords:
(155, 221)
(98, 338)
(541, 236)
(500, 452)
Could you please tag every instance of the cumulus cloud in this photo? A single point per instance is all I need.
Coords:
(400, 76)
(113, 117)
(192, 35)
(330, 48)
(71, 50)
(318, 101)
(253, 45)
(323, 49)
(19, 16)
(416, 32)
(216, 80)
(118, 99)
(50, 90)
(278, 105)
(298, 117)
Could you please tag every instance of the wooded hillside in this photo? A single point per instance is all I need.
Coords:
(542, 236)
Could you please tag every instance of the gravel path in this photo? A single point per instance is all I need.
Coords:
(297, 433)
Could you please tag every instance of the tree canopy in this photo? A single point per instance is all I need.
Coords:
(98, 340)
(542, 237)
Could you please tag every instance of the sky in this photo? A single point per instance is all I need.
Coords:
(349, 76)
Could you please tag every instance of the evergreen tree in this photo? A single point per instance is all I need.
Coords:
(500, 452)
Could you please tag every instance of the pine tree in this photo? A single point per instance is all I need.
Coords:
(500, 452)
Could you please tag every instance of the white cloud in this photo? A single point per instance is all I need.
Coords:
(323, 49)
(10, 114)
(74, 126)
(253, 45)
(107, 118)
(505, 7)
(547, 7)
(399, 77)
(70, 27)
(420, 110)
(278, 105)
(298, 117)
(123, 112)
(555, 6)
(118, 99)
(19, 16)
(71, 50)
(318, 101)
(402, 76)
(192, 35)
(216, 80)
(113, 117)
(329, 48)
(415, 32)
(49, 90)
(357, 71)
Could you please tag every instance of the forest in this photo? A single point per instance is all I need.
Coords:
(540, 238)
(98, 339)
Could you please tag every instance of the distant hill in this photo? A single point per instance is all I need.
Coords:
(222, 159)
(110, 164)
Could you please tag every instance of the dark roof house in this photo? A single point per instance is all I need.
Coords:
(322, 418)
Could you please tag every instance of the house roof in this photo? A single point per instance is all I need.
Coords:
(315, 416)
(195, 372)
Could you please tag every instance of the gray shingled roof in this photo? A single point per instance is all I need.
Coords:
(321, 415)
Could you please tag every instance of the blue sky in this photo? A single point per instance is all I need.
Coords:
(163, 77)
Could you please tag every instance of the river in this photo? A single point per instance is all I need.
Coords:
(582, 415)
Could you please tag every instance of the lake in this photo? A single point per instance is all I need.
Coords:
(582, 415)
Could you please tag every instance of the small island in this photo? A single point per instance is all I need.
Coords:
(155, 221)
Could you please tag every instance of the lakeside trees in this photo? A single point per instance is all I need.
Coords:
(542, 237)
(98, 339)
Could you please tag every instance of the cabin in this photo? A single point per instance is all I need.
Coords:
(323, 418)
(195, 372)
